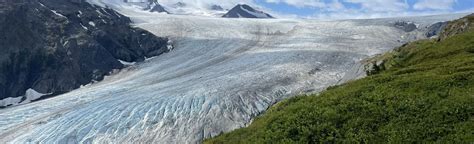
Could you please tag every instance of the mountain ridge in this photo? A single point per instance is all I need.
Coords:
(54, 46)
(245, 11)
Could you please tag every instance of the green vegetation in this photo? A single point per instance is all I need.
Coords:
(424, 93)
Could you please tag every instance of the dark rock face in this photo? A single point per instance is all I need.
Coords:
(245, 11)
(216, 8)
(179, 4)
(435, 29)
(148, 5)
(55, 46)
(406, 26)
(156, 7)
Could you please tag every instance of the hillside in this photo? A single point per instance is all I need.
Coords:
(50, 47)
(422, 92)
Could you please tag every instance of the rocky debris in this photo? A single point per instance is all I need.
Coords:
(406, 26)
(435, 29)
(374, 67)
(245, 11)
(55, 46)
(456, 27)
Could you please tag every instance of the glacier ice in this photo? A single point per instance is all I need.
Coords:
(220, 74)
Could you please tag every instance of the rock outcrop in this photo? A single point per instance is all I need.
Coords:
(216, 8)
(459, 26)
(435, 29)
(55, 46)
(405, 26)
(154, 6)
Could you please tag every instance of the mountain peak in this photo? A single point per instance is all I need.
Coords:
(246, 11)
(156, 7)
(180, 4)
(148, 5)
(216, 8)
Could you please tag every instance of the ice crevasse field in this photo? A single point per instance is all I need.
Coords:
(220, 74)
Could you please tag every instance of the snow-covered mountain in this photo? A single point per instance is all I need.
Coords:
(145, 5)
(245, 11)
(182, 8)
(176, 8)
(221, 74)
(156, 7)
(216, 8)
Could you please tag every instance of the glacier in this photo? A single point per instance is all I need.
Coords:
(220, 74)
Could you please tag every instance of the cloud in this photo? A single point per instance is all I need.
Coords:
(369, 5)
(434, 5)
(205, 3)
(300, 3)
(355, 14)
(323, 5)
(361, 9)
(380, 5)
(338, 9)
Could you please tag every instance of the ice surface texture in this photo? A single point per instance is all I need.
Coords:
(221, 74)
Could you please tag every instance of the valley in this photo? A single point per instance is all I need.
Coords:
(220, 74)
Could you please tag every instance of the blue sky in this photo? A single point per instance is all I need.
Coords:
(341, 9)
(345, 9)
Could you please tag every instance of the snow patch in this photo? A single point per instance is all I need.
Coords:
(126, 63)
(84, 27)
(29, 96)
(10, 101)
(96, 2)
(65, 43)
(258, 14)
(42, 4)
(79, 14)
(32, 95)
(92, 23)
(58, 14)
(100, 13)
(169, 45)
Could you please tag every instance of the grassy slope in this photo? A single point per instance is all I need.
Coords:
(425, 95)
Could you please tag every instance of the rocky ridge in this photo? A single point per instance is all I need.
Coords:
(54, 46)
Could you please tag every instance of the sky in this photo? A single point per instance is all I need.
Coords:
(348, 9)
(343, 9)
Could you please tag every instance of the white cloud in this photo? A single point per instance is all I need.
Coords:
(434, 4)
(381, 5)
(339, 9)
(300, 3)
(367, 5)
(335, 5)
(325, 6)
(355, 14)
(205, 3)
